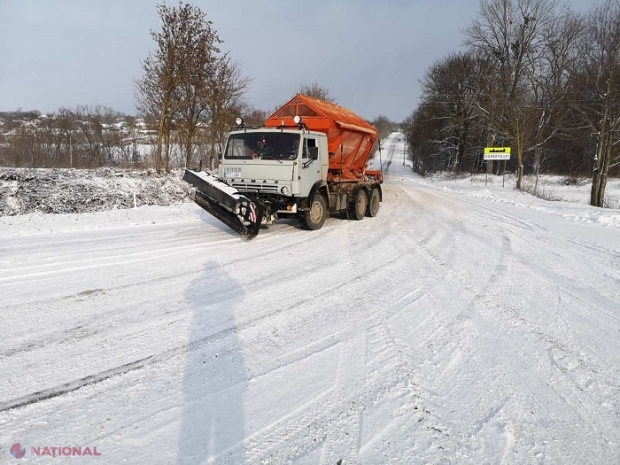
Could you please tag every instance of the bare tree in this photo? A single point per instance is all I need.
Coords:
(188, 85)
(178, 74)
(597, 90)
(383, 125)
(66, 128)
(153, 92)
(255, 117)
(317, 91)
(228, 86)
(549, 82)
(454, 87)
(511, 32)
(421, 130)
(198, 76)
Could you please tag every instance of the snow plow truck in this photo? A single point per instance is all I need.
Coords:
(307, 161)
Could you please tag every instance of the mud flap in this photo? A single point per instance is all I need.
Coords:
(225, 203)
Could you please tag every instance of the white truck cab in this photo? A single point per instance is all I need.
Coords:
(281, 165)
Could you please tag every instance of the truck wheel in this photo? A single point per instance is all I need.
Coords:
(357, 210)
(373, 204)
(315, 217)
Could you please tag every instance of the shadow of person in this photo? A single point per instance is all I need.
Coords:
(214, 376)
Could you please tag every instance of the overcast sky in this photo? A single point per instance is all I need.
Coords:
(369, 54)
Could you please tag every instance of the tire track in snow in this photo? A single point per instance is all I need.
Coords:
(450, 336)
(301, 441)
(235, 325)
(102, 321)
(501, 324)
(338, 410)
(68, 387)
(343, 443)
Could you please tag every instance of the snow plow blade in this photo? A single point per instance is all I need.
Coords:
(225, 203)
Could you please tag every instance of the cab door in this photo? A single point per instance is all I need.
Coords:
(310, 168)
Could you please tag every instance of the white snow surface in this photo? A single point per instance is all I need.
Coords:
(459, 326)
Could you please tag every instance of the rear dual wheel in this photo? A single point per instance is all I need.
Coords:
(373, 203)
(357, 209)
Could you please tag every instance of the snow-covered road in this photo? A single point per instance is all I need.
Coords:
(447, 330)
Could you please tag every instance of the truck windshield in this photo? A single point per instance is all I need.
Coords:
(263, 145)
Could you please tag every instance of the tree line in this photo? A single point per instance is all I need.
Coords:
(80, 137)
(188, 97)
(534, 76)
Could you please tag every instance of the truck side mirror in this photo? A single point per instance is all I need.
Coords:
(314, 153)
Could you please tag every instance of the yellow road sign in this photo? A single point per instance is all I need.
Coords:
(497, 153)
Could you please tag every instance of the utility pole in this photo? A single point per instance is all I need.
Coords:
(70, 152)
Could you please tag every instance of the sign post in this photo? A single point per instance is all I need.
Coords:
(495, 153)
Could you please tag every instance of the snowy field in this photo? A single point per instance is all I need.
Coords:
(463, 325)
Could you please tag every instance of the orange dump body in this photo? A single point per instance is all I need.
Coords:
(350, 139)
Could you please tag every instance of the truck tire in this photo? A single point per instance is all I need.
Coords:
(314, 218)
(373, 203)
(357, 209)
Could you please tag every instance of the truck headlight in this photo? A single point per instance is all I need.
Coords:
(284, 190)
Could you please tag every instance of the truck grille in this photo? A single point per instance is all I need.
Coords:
(261, 188)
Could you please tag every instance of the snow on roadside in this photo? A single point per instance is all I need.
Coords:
(569, 201)
(28, 191)
(24, 191)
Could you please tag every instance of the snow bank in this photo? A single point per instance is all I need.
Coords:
(79, 191)
(558, 197)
